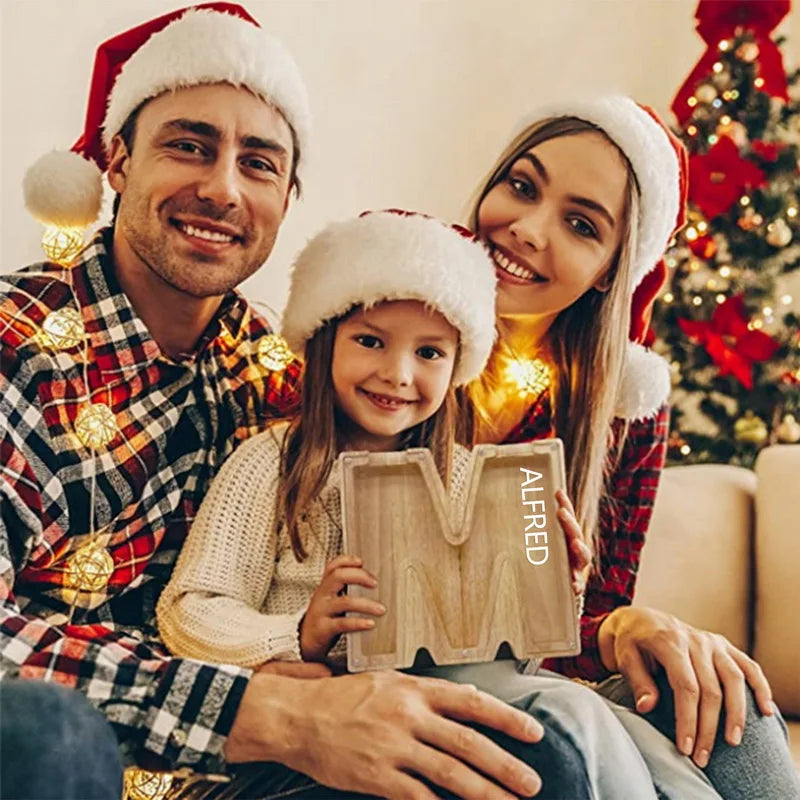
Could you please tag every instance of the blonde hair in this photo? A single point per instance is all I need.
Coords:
(311, 444)
(586, 344)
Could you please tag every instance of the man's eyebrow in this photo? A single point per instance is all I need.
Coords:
(581, 201)
(209, 131)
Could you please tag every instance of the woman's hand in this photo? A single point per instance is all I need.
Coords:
(580, 556)
(704, 670)
(325, 619)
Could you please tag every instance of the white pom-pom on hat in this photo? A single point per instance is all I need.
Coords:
(645, 384)
(64, 189)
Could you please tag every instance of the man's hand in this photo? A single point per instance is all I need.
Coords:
(580, 556)
(379, 732)
(703, 669)
(325, 619)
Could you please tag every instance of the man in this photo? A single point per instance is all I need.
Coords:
(125, 381)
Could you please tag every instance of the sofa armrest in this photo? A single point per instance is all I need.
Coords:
(696, 562)
(777, 556)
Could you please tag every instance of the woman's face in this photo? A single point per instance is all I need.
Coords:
(554, 223)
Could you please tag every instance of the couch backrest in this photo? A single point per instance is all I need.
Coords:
(696, 561)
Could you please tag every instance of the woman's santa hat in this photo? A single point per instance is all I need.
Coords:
(204, 44)
(395, 255)
(660, 163)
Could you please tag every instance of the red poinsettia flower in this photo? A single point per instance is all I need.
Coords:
(769, 151)
(733, 347)
(719, 18)
(719, 178)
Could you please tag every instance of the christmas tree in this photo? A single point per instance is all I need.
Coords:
(725, 321)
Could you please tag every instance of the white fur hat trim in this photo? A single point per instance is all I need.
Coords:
(389, 256)
(202, 47)
(645, 384)
(64, 189)
(655, 164)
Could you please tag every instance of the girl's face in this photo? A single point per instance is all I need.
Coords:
(392, 367)
(554, 223)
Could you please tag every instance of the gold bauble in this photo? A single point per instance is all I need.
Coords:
(779, 234)
(141, 784)
(89, 568)
(788, 431)
(273, 353)
(62, 245)
(747, 52)
(62, 329)
(750, 429)
(95, 425)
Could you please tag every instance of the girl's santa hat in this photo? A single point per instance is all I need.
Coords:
(661, 166)
(395, 255)
(204, 44)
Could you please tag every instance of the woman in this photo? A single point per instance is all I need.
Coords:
(577, 213)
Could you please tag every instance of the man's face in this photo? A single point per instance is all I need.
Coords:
(205, 188)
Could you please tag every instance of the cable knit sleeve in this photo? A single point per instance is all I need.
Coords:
(211, 608)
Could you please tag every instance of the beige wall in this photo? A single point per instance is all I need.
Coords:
(412, 98)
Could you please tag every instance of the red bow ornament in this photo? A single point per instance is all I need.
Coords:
(718, 178)
(733, 347)
(720, 19)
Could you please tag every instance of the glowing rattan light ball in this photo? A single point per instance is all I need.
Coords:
(62, 329)
(532, 376)
(62, 245)
(95, 425)
(140, 784)
(89, 568)
(273, 353)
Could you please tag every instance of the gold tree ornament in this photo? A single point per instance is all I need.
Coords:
(273, 353)
(141, 784)
(788, 431)
(62, 329)
(95, 425)
(62, 245)
(89, 568)
(751, 429)
(532, 376)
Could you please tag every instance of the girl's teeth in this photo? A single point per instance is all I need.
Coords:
(512, 267)
(209, 236)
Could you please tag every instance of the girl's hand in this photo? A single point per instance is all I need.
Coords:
(325, 619)
(580, 556)
(704, 670)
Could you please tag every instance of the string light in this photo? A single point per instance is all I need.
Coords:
(89, 568)
(734, 93)
(717, 67)
(691, 233)
(532, 376)
(140, 784)
(694, 266)
(62, 329)
(62, 245)
(786, 299)
(273, 353)
(669, 297)
(725, 272)
(744, 200)
(711, 284)
(713, 139)
(724, 45)
(692, 101)
(692, 130)
(702, 226)
(725, 119)
(685, 450)
(791, 211)
(767, 311)
(95, 425)
(672, 262)
(758, 83)
(697, 300)
(720, 298)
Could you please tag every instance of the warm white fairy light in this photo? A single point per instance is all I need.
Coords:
(532, 376)
(717, 67)
(725, 272)
(690, 233)
(685, 450)
(758, 83)
(62, 329)
(767, 311)
(95, 425)
(702, 226)
(713, 139)
(724, 45)
(725, 119)
(711, 284)
(669, 297)
(89, 568)
(672, 262)
(141, 784)
(786, 299)
(720, 298)
(697, 300)
(273, 352)
(791, 212)
(691, 102)
(744, 200)
(62, 245)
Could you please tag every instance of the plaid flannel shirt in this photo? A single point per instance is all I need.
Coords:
(624, 518)
(178, 420)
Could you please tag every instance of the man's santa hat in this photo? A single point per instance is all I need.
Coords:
(660, 163)
(203, 44)
(395, 255)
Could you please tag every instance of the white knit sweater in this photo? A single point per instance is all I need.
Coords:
(237, 593)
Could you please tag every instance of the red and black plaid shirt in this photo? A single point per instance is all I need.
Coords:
(624, 518)
(178, 420)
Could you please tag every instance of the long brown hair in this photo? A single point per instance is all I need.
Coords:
(312, 443)
(586, 343)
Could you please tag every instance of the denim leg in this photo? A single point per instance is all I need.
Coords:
(760, 768)
(54, 744)
(593, 755)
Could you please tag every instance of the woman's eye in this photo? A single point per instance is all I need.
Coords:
(366, 340)
(429, 353)
(583, 228)
(522, 187)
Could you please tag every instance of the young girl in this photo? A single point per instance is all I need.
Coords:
(577, 212)
(392, 311)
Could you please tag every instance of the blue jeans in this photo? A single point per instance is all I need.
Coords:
(54, 744)
(760, 768)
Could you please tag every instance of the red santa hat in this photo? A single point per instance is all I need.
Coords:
(395, 255)
(203, 44)
(660, 163)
